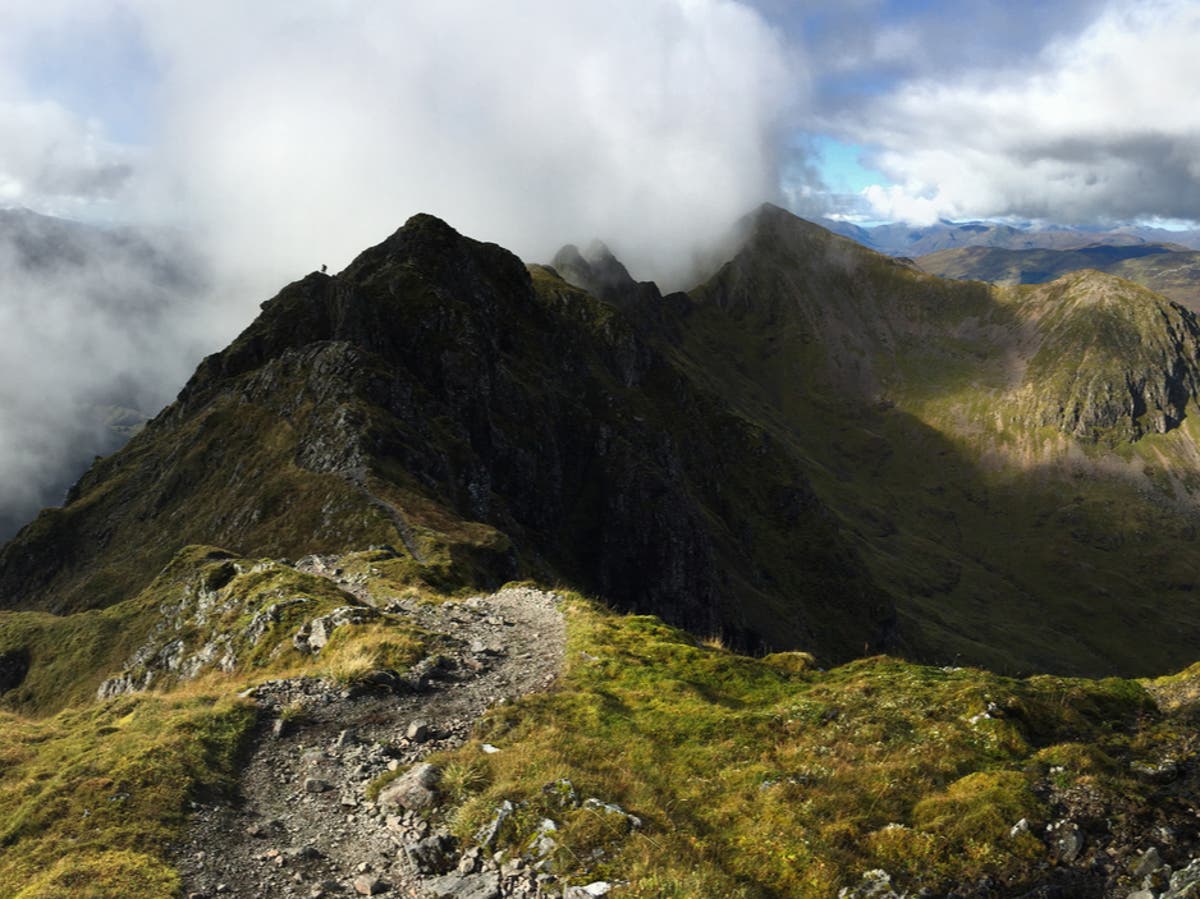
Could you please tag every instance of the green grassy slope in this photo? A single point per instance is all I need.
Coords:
(767, 777)
(1026, 507)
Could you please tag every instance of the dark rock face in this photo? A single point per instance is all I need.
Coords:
(437, 380)
(14, 665)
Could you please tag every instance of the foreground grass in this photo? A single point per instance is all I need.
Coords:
(751, 777)
(91, 798)
(766, 777)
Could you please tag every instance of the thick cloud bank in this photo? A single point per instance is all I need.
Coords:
(304, 132)
(1102, 127)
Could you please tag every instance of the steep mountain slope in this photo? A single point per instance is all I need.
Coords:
(494, 423)
(1165, 268)
(1003, 456)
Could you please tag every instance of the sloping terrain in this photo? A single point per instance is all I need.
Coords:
(312, 729)
(1170, 270)
(900, 239)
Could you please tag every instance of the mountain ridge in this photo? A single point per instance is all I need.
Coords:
(901, 239)
(398, 393)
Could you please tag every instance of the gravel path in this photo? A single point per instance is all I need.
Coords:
(303, 826)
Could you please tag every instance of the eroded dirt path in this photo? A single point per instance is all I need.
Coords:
(303, 826)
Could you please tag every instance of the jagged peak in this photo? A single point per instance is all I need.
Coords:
(595, 269)
(770, 222)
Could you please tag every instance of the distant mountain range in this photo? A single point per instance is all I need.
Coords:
(900, 239)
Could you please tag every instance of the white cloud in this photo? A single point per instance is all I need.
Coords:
(1103, 127)
(311, 130)
(52, 159)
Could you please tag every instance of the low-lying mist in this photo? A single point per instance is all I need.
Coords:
(98, 329)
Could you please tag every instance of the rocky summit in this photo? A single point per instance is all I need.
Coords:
(459, 576)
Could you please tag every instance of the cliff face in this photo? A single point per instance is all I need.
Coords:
(491, 419)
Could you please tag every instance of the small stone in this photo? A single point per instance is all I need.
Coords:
(302, 853)
(1019, 828)
(875, 884)
(369, 885)
(489, 748)
(1186, 881)
(433, 854)
(1066, 841)
(316, 785)
(419, 731)
(456, 886)
(596, 888)
(487, 835)
(1149, 861)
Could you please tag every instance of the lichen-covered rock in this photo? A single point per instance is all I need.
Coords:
(1066, 840)
(484, 885)
(435, 854)
(1185, 883)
